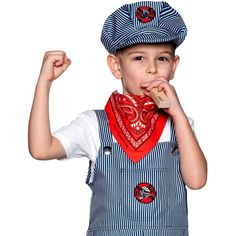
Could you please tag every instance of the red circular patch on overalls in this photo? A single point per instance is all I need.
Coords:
(145, 193)
(145, 14)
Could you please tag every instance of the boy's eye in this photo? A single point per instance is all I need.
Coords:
(138, 58)
(163, 59)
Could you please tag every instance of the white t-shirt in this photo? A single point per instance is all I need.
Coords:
(81, 137)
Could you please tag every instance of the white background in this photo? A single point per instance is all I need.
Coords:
(50, 198)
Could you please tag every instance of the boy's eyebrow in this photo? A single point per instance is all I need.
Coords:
(167, 52)
(135, 52)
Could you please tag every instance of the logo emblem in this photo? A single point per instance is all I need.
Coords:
(145, 193)
(145, 14)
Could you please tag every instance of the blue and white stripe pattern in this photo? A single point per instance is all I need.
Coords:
(114, 208)
(122, 28)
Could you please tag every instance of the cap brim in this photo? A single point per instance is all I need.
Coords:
(146, 35)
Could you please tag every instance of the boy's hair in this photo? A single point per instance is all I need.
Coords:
(143, 22)
(121, 50)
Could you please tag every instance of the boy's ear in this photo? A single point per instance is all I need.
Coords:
(175, 65)
(114, 65)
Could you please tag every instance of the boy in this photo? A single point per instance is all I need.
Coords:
(141, 157)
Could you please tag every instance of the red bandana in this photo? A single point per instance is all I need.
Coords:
(135, 122)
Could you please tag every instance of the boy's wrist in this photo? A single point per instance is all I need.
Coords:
(179, 116)
(44, 82)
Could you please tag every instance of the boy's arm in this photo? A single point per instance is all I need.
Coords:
(193, 164)
(42, 145)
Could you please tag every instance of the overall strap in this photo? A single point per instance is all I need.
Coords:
(104, 131)
(172, 131)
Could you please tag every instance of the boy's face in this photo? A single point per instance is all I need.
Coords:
(143, 63)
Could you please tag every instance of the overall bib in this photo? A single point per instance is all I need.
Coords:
(147, 198)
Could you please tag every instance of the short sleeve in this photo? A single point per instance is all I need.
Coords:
(191, 122)
(80, 138)
(165, 136)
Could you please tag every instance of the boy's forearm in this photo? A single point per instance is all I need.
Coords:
(192, 161)
(41, 143)
(40, 137)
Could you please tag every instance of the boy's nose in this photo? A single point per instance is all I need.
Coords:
(152, 68)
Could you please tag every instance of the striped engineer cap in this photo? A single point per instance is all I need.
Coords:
(143, 22)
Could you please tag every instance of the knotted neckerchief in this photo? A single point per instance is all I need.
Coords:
(136, 123)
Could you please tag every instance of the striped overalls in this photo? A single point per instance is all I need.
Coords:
(147, 198)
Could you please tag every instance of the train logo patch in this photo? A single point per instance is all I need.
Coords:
(145, 14)
(145, 193)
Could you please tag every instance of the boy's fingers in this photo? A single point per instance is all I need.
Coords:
(148, 83)
(67, 61)
(52, 55)
(157, 84)
(66, 64)
(57, 59)
(56, 52)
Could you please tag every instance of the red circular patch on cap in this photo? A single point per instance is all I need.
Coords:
(144, 193)
(145, 14)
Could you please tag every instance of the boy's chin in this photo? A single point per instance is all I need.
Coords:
(141, 93)
(135, 93)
